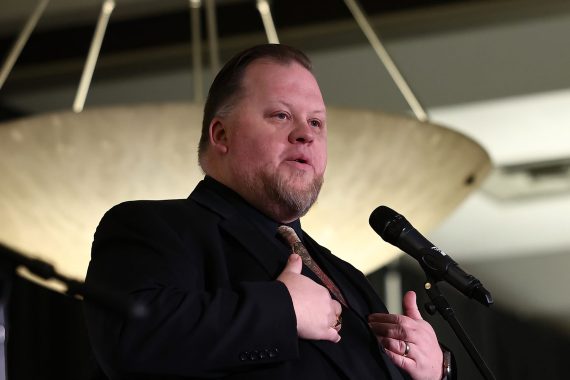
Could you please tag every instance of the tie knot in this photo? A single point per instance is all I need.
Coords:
(288, 234)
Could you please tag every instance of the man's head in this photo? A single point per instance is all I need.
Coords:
(264, 135)
(227, 86)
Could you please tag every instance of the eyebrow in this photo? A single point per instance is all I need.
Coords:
(289, 105)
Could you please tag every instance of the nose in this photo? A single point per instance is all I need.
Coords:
(302, 133)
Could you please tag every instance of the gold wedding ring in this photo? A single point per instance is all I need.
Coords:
(406, 349)
(338, 321)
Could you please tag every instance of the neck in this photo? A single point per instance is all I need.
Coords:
(260, 200)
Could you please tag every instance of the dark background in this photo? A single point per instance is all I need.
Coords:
(48, 339)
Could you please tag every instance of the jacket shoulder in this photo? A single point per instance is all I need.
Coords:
(166, 208)
(145, 216)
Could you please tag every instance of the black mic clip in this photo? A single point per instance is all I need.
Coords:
(436, 268)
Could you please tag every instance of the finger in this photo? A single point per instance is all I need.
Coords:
(385, 318)
(333, 335)
(396, 346)
(403, 362)
(337, 323)
(337, 307)
(387, 330)
(388, 321)
(294, 264)
(337, 326)
(410, 306)
(335, 310)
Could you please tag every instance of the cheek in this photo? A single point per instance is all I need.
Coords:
(257, 153)
(323, 164)
(322, 157)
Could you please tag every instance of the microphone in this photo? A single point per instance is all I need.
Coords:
(396, 230)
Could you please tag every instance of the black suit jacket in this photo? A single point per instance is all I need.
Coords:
(216, 309)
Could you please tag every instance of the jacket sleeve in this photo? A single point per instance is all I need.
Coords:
(198, 323)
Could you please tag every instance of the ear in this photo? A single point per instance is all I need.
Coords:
(218, 136)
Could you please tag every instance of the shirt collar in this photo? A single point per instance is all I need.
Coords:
(267, 225)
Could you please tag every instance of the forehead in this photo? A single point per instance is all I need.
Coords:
(267, 76)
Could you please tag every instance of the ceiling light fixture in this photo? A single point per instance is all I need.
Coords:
(61, 171)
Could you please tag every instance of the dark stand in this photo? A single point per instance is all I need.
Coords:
(6, 275)
(74, 288)
(439, 303)
(10, 260)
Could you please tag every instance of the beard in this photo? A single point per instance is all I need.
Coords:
(283, 195)
(297, 200)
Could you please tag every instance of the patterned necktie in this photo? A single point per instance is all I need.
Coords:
(291, 237)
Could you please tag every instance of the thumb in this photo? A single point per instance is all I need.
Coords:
(294, 264)
(410, 306)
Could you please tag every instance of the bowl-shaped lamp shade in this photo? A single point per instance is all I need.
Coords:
(60, 172)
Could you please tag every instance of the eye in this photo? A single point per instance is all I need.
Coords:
(281, 116)
(315, 123)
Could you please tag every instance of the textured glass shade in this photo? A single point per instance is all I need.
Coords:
(60, 172)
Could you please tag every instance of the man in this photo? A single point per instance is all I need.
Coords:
(228, 299)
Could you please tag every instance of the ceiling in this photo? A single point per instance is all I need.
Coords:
(498, 71)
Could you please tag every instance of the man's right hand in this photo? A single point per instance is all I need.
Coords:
(315, 310)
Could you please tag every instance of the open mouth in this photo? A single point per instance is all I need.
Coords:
(300, 160)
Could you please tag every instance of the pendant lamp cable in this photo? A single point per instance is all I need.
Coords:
(374, 40)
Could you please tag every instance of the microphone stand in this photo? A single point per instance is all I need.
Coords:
(440, 304)
(74, 288)
(10, 260)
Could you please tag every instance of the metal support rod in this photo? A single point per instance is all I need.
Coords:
(11, 260)
(21, 41)
(267, 19)
(195, 6)
(83, 89)
(440, 304)
(393, 293)
(212, 26)
(386, 60)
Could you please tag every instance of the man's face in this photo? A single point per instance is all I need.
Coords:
(276, 137)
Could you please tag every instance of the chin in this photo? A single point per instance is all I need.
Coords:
(297, 192)
(300, 182)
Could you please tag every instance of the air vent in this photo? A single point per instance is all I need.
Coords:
(532, 179)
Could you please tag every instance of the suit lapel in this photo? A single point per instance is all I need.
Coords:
(267, 253)
(270, 255)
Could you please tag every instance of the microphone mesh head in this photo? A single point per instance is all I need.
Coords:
(387, 223)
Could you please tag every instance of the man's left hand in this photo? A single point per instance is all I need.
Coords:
(409, 341)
